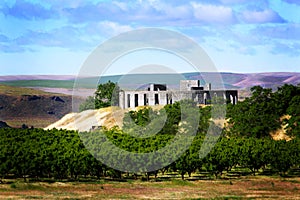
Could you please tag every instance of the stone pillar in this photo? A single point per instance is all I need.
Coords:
(122, 99)
(126, 99)
(162, 98)
(231, 99)
(208, 86)
(205, 98)
(141, 99)
(132, 102)
(151, 98)
(151, 87)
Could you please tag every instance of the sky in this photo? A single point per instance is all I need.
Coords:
(57, 36)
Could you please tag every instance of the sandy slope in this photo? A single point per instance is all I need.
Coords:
(83, 121)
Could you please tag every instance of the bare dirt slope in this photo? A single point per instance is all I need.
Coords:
(84, 121)
(32, 107)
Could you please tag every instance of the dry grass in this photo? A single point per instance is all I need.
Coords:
(17, 91)
(17, 122)
(244, 188)
(280, 134)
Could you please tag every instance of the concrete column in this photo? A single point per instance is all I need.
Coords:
(162, 98)
(152, 87)
(151, 98)
(132, 100)
(231, 99)
(121, 99)
(141, 99)
(126, 100)
(208, 86)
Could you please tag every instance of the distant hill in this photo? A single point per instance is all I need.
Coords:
(37, 77)
(230, 80)
(32, 107)
(42, 100)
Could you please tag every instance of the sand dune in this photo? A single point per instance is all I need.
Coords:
(84, 121)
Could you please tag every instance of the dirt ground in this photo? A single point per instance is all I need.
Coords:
(242, 188)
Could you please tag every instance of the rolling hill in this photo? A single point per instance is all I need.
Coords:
(230, 80)
(32, 107)
(42, 100)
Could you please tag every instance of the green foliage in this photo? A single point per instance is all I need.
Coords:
(39, 153)
(293, 122)
(88, 104)
(107, 94)
(260, 114)
(36, 153)
(60, 154)
(255, 153)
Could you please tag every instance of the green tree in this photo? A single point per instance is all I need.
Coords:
(256, 116)
(88, 104)
(281, 159)
(107, 94)
(254, 153)
(293, 128)
(283, 97)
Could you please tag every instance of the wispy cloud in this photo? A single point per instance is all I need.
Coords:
(289, 31)
(264, 16)
(29, 11)
(292, 49)
(292, 1)
(212, 13)
(241, 27)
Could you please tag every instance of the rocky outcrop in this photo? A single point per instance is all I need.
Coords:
(30, 97)
(56, 98)
(3, 125)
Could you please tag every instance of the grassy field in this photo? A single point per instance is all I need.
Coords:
(40, 83)
(17, 122)
(17, 91)
(243, 188)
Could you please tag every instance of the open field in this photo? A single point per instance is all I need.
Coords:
(17, 91)
(230, 80)
(41, 83)
(243, 188)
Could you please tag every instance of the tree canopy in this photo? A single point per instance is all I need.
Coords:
(261, 113)
(107, 94)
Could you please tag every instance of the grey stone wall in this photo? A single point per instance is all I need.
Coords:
(202, 95)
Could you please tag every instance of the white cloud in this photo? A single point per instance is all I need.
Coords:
(233, 1)
(212, 13)
(121, 5)
(110, 28)
(264, 16)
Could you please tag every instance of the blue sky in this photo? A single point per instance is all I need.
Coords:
(55, 37)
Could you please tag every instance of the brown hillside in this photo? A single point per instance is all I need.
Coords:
(32, 107)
